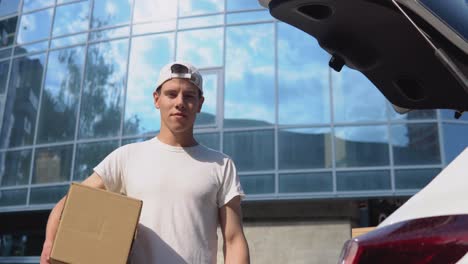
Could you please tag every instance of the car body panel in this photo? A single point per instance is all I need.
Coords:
(446, 194)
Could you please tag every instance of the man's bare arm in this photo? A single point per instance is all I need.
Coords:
(52, 223)
(236, 250)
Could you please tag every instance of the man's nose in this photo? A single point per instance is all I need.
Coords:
(180, 101)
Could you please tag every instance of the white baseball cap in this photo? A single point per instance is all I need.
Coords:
(179, 69)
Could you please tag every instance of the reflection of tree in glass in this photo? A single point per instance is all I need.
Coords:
(60, 109)
(101, 110)
(89, 155)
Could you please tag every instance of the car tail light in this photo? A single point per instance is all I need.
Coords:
(349, 252)
(431, 240)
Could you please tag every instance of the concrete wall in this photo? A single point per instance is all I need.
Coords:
(296, 232)
(294, 241)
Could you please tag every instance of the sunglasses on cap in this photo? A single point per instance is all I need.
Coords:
(181, 71)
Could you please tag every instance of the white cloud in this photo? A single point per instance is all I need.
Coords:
(154, 10)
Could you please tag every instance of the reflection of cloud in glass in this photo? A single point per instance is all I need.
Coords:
(210, 85)
(377, 134)
(303, 78)
(34, 26)
(197, 22)
(35, 4)
(71, 18)
(242, 5)
(196, 7)
(400, 135)
(203, 48)
(148, 55)
(356, 98)
(249, 88)
(154, 10)
(111, 12)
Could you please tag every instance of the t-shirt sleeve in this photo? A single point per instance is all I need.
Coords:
(111, 171)
(230, 186)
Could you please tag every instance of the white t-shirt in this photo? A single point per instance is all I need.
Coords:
(181, 189)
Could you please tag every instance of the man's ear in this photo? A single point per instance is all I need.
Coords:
(156, 97)
(202, 99)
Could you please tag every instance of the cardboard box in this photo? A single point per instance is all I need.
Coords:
(96, 226)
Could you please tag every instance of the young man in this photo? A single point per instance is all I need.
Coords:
(186, 188)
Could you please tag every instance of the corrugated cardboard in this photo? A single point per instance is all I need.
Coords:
(96, 226)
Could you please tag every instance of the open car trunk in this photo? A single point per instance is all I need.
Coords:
(377, 39)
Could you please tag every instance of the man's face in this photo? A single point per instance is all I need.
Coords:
(179, 102)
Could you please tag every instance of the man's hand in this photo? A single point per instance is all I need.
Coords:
(45, 255)
(54, 218)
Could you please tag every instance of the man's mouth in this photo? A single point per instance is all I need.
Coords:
(179, 115)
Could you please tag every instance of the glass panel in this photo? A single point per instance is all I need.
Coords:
(102, 99)
(210, 140)
(13, 197)
(19, 118)
(89, 155)
(349, 87)
(449, 115)
(306, 182)
(154, 10)
(68, 41)
(246, 17)
(304, 148)
(59, 104)
(453, 13)
(4, 65)
(35, 26)
(36, 4)
(8, 30)
(413, 115)
(242, 5)
(203, 47)
(258, 184)
(109, 33)
(47, 195)
(148, 55)
(31, 48)
(5, 53)
(154, 27)
(251, 150)
(207, 116)
(71, 18)
(111, 12)
(197, 7)
(302, 78)
(415, 144)
(15, 167)
(52, 164)
(361, 146)
(64, 1)
(8, 7)
(249, 66)
(455, 140)
(197, 22)
(414, 179)
(363, 180)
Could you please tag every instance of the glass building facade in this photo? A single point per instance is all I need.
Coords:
(76, 82)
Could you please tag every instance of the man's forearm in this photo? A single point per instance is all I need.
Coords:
(53, 221)
(237, 251)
